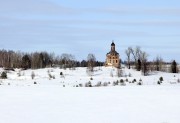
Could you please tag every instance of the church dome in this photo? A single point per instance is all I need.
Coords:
(113, 44)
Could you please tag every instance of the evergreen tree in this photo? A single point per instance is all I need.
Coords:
(3, 75)
(26, 62)
(138, 66)
(174, 68)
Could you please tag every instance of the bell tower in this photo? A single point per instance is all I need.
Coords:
(112, 46)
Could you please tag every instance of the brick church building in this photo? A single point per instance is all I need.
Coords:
(113, 58)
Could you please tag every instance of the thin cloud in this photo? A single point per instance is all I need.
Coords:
(135, 10)
(25, 7)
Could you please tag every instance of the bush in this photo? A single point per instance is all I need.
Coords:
(98, 84)
(91, 78)
(88, 84)
(61, 73)
(80, 85)
(32, 75)
(126, 80)
(121, 81)
(178, 80)
(3, 75)
(115, 83)
(105, 84)
(139, 83)
(50, 76)
(158, 82)
(161, 79)
(134, 80)
(35, 83)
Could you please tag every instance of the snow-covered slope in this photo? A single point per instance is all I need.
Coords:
(79, 76)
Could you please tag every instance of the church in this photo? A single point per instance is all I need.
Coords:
(113, 58)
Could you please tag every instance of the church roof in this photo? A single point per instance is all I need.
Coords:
(112, 43)
(113, 52)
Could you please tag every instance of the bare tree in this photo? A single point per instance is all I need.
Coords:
(137, 54)
(158, 63)
(144, 63)
(67, 60)
(91, 60)
(128, 54)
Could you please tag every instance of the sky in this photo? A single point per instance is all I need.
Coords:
(81, 27)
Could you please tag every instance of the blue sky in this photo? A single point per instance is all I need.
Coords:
(80, 27)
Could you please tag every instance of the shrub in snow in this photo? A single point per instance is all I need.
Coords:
(63, 85)
(122, 82)
(9, 83)
(61, 73)
(3, 75)
(33, 75)
(88, 84)
(1, 82)
(54, 77)
(178, 80)
(126, 80)
(105, 84)
(35, 83)
(98, 84)
(134, 80)
(139, 83)
(161, 79)
(130, 75)
(80, 85)
(50, 76)
(91, 78)
(158, 82)
(114, 84)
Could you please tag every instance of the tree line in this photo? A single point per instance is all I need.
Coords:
(10, 59)
(138, 59)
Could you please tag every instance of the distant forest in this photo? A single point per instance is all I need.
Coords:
(35, 60)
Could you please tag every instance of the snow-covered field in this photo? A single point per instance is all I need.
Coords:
(73, 78)
(22, 101)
